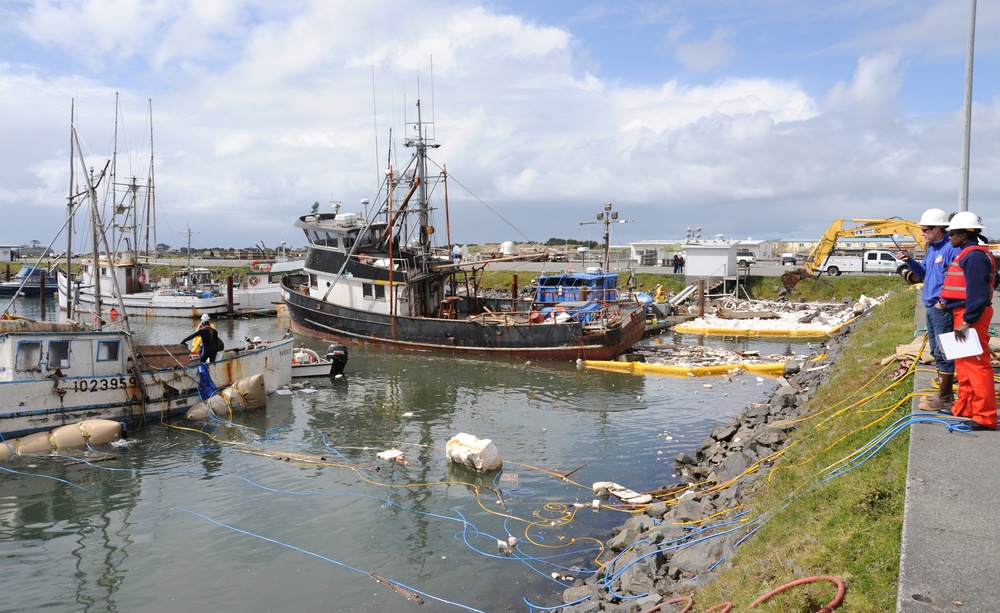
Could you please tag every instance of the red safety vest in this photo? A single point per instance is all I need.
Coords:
(954, 277)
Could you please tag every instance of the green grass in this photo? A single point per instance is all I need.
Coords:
(849, 527)
(763, 288)
(825, 288)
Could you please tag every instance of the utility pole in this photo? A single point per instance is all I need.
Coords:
(963, 191)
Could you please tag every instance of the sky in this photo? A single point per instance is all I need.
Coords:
(753, 119)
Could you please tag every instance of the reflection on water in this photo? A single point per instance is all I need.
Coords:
(184, 519)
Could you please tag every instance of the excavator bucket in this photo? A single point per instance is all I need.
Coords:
(791, 278)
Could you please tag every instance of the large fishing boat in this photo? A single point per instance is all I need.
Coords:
(375, 279)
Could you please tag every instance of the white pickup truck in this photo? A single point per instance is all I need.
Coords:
(875, 261)
(745, 257)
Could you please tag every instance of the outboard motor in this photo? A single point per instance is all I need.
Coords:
(337, 354)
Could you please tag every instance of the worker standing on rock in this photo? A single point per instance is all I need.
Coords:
(968, 292)
(938, 320)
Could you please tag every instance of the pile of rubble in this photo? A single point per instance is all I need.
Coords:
(781, 316)
(695, 356)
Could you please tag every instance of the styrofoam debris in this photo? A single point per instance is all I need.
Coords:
(476, 453)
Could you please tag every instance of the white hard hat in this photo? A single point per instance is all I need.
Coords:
(934, 217)
(965, 220)
(256, 339)
(205, 317)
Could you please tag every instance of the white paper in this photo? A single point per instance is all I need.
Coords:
(954, 348)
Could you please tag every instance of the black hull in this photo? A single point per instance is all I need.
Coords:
(496, 335)
(28, 291)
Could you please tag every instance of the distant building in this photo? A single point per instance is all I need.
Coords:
(653, 253)
(764, 250)
(711, 258)
(8, 252)
(661, 252)
(805, 246)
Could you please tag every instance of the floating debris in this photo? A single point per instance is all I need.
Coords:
(406, 593)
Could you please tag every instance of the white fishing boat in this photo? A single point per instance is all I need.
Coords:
(187, 294)
(259, 291)
(130, 269)
(56, 373)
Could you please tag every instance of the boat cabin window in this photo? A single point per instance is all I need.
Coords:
(324, 238)
(349, 240)
(58, 355)
(201, 277)
(313, 281)
(29, 356)
(370, 290)
(107, 350)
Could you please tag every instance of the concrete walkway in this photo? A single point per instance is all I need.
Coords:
(950, 558)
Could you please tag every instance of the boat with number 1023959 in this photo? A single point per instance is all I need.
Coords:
(374, 278)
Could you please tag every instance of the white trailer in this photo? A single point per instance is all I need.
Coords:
(874, 261)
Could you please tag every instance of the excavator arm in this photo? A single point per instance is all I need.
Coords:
(864, 228)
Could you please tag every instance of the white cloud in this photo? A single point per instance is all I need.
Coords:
(261, 109)
(707, 54)
(875, 85)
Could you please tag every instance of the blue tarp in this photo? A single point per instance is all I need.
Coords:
(206, 388)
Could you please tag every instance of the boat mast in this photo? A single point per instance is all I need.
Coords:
(69, 214)
(425, 241)
(607, 217)
(187, 279)
(95, 219)
(150, 197)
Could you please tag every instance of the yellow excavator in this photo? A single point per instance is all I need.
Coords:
(864, 228)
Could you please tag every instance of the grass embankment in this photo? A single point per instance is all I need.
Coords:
(826, 289)
(850, 526)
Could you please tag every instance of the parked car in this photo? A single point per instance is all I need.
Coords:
(745, 257)
(788, 259)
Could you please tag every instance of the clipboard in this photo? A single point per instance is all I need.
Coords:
(954, 348)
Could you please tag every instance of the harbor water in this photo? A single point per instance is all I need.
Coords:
(182, 517)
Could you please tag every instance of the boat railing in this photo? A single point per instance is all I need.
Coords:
(557, 294)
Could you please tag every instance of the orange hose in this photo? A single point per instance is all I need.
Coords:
(827, 609)
(687, 600)
(726, 607)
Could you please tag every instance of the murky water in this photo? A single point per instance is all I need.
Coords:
(182, 519)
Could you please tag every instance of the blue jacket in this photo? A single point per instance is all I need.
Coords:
(978, 285)
(931, 270)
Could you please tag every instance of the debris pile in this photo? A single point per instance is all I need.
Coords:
(696, 356)
(739, 315)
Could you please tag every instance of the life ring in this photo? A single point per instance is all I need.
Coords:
(141, 277)
(253, 265)
(253, 280)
